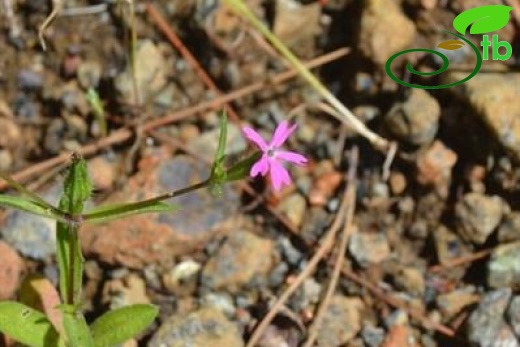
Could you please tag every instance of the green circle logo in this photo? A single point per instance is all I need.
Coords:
(444, 67)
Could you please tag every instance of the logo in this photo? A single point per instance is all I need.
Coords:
(481, 21)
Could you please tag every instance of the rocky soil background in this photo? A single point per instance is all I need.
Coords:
(435, 258)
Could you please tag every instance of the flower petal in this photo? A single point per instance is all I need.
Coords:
(260, 167)
(255, 137)
(279, 175)
(282, 132)
(291, 157)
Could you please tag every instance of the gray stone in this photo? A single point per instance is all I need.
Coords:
(478, 215)
(494, 96)
(415, 120)
(151, 73)
(376, 41)
(513, 315)
(243, 258)
(31, 235)
(504, 266)
(369, 247)
(486, 325)
(373, 336)
(509, 229)
(341, 322)
(202, 328)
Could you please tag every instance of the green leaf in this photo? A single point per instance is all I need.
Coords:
(108, 213)
(119, 325)
(483, 19)
(27, 325)
(78, 332)
(23, 204)
(24, 191)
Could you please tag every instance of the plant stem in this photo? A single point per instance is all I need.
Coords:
(152, 201)
(348, 116)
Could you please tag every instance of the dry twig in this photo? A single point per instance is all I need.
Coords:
(461, 261)
(323, 250)
(57, 7)
(395, 302)
(345, 236)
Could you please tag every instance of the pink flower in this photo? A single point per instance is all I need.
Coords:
(273, 156)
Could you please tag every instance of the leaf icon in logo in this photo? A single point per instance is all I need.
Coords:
(482, 19)
(451, 45)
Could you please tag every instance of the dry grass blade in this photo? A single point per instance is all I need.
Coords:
(323, 250)
(57, 6)
(348, 228)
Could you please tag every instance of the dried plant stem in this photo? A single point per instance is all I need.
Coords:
(323, 250)
(346, 115)
(121, 135)
(461, 261)
(175, 40)
(57, 7)
(395, 302)
(336, 272)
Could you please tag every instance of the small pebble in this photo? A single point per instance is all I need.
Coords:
(202, 328)
(486, 324)
(478, 215)
(415, 120)
(89, 74)
(294, 207)
(29, 80)
(452, 303)
(220, 301)
(242, 258)
(375, 40)
(397, 182)
(369, 248)
(373, 336)
(102, 173)
(26, 109)
(508, 231)
(324, 186)
(513, 315)
(504, 267)
(31, 235)
(341, 321)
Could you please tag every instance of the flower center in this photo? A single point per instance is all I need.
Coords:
(270, 152)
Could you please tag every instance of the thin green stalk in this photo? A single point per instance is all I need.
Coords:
(239, 7)
(149, 202)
